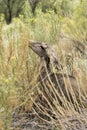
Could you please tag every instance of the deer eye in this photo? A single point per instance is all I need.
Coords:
(42, 48)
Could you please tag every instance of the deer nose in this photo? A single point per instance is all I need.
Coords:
(30, 43)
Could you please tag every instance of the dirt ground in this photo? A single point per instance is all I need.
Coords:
(31, 121)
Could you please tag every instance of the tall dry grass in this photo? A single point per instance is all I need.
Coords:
(19, 68)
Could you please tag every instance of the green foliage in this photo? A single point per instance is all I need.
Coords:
(33, 4)
(44, 27)
(81, 9)
(11, 9)
(26, 12)
(47, 5)
(64, 7)
(77, 26)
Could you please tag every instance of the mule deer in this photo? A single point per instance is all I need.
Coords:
(65, 85)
